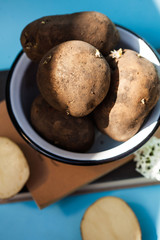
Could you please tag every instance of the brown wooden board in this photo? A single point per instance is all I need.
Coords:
(51, 180)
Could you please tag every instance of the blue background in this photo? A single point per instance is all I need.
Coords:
(141, 16)
(62, 220)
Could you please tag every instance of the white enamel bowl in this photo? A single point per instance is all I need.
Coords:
(21, 90)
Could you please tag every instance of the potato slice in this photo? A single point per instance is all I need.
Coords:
(110, 218)
(14, 169)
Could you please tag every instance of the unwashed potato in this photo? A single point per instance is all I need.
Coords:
(65, 131)
(14, 169)
(110, 218)
(134, 91)
(39, 36)
(73, 77)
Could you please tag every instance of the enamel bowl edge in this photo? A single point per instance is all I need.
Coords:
(21, 89)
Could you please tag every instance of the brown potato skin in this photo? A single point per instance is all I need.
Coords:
(65, 131)
(72, 78)
(39, 36)
(134, 91)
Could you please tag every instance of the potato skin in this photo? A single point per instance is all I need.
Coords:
(73, 77)
(134, 91)
(39, 36)
(65, 131)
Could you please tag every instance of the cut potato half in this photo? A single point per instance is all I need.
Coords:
(110, 218)
(14, 169)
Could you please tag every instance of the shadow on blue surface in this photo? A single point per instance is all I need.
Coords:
(138, 199)
(146, 223)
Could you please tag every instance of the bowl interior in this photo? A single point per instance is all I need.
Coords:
(22, 89)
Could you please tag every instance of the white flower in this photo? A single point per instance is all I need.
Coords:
(117, 54)
(98, 54)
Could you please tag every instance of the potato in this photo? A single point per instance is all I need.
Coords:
(110, 218)
(65, 131)
(41, 35)
(73, 77)
(134, 91)
(14, 169)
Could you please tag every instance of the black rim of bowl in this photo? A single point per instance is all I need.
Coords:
(54, 156)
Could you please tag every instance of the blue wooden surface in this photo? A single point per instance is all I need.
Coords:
(141, 16)
(62, 220)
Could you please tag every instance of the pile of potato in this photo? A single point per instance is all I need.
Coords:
(84, 82)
